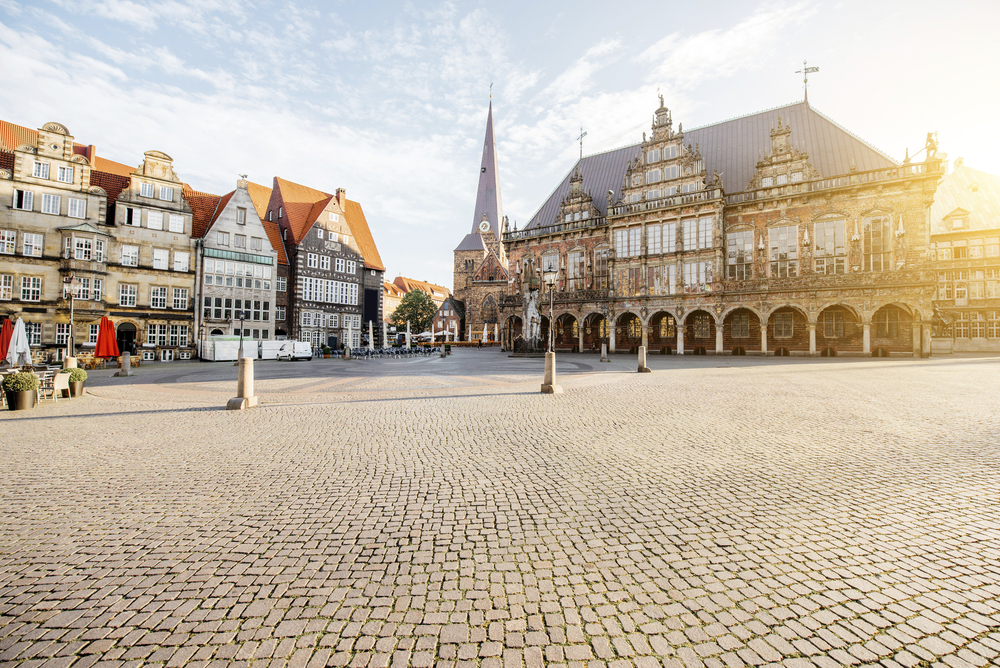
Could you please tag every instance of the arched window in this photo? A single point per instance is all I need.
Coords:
(668, 327)
(634, 328)
(887, 323)
(489, 310)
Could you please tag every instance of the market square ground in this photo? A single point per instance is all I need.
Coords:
(719, 511)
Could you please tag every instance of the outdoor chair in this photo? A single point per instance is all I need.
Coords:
(60, 383)
(46, 380)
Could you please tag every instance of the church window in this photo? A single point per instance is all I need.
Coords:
(784, 251)
(783, 325)
(876, 256)
(739, 255)
(831, 248)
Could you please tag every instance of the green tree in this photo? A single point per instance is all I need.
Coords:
(417, 307)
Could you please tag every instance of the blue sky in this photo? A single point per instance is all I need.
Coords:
(388, 99)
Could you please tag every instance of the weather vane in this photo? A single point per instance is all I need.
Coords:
(491, 90)
(582, 135)
(805, 72)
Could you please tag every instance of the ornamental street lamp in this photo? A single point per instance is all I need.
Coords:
(69, 284)
(242, 315)
(549, 275)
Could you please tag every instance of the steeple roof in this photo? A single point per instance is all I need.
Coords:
(488, 198)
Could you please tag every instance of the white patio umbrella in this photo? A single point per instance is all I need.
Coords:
(371, 337)
(407, 333)
(385, 335)
(484, 333)
(19, 353)
(496, 332)
(455, 335)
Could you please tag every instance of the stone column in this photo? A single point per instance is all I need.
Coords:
(916, 339)
(812, 338)
(718, 338)
(611, 338)
(645, 335)
(680, 339)
(925, 343)
(866, 339)
(580, 336)
(763, 338)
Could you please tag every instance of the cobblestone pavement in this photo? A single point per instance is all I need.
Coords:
(717, 512)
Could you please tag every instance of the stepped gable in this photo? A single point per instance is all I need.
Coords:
(11, 136)
(732, 148)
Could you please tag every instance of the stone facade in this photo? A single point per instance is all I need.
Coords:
(125, 241)
(237, 268)
(798, 262)
(480, 274)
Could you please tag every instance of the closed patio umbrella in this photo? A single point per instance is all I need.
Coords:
(371, 337)
(19, 352)
(107, 342)
(5, 333)
(484, 333)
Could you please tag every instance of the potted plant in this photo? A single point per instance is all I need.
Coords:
(326, 352)
(76, 378)
(21, 389)
(447, 348)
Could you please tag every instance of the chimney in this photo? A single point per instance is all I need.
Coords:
(341, 197)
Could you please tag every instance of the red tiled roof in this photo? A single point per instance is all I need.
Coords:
(12, 136)
(363, 235)
(392, 290)
(274, 236)
(113, 185)
(203, 209)
(7, 160)
(408, 284)
(299, 203)
(260, 196)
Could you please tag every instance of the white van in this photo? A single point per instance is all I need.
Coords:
(295, 350)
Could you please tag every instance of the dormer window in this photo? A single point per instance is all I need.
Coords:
(281, 210)
(958, 223)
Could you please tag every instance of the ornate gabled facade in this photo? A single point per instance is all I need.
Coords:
(774, 233)
(122, 235)
(480, 265)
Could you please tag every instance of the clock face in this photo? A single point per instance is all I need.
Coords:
(484, 226)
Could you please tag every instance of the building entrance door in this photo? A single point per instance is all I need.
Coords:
(126, 338)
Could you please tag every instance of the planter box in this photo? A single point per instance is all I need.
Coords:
(19, 401)
(76, 388)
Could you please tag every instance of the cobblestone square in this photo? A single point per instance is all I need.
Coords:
(721, 511)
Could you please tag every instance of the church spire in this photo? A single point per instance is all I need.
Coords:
(488, 203)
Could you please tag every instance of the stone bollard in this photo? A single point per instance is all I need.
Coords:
(69, 363)
(244, 387)
(549, 385)
(642, 361)
(604, 352)
(126, 365)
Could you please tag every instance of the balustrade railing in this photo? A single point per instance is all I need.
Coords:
(841, 181)
(556, 228)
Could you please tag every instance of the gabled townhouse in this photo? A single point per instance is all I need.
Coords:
(334, 280)
(236, 265)
(117, 239)
(449, 321)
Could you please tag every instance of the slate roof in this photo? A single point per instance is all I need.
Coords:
(488, 200)
(472, 241)
(974, 191)
(456, 304)
(732, 148)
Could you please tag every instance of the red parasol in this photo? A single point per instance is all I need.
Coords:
(107, 343)
(5, 333)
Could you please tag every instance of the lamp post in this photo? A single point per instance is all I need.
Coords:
(201, 341)
(68, 284)
(549, 385)
(243, 315)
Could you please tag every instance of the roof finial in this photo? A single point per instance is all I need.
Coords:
(805, 72)
(491, 90)
(582, 135)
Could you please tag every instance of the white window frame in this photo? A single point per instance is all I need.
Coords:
(127, 293)
(240, 241)
(146, 190)
(176, 223)
(51, 204)
(40, 170)
(312, 260)
(64, 171)
(166, 194)
(6, 287)
(180, 301)
(154, 220)
(77, 208)
(129, 255)
(352, 267)
(241, 216)
(182, 261)
(281, 285)
(31, 289)
(158, 297)
(32, 245)
(161, 258)
(27, 198)
(8, 242)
